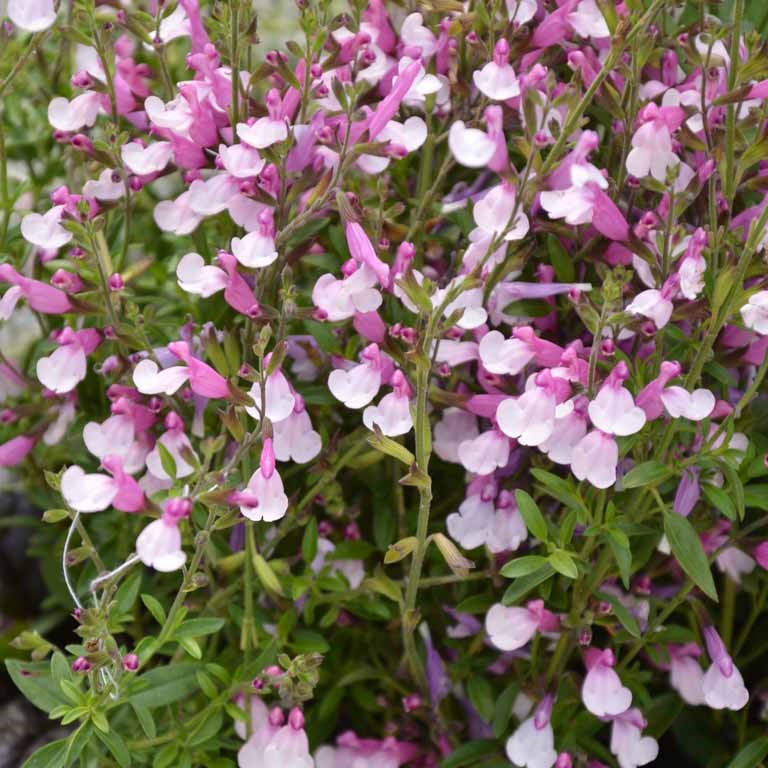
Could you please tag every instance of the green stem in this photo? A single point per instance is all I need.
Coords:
(423, 452)
(730, 122)
(235, 42)
(5, 202)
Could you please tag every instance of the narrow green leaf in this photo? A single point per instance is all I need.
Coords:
(648, 473)
(752, 754)
(563, 563)
(687, 548)
(531, 514)
(153, 606)
(522, 566)
(522, 586)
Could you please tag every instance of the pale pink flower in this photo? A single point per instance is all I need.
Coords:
(631, 748)
(241, 161)
(176, 216)
(723, 684)
(159, 544)
(263, 497)
(32, 15)
(280, 400)
(602, 691)
(266, 131)
(469, 526)
(41, 297)
(341, 299)
(95, 492)
(595, 458)
(116, 436)
(680, 403)
(755, 313)
(45, 230)
(393, 413)
(497, 79)
(685, 673)
(66, 366)
(144, 161)
(203, 380)
(511, 627)
(484, 453)
(652, 153)
(414, 35)
(455, 426)
(471, 147)
(357, 386)
(588, 20)
(613, 411)
(71, 116)
(294, 439)
(257, 248)
(532, 745)
(353, 570)
(569, 429)
(510, 356)
(176, 442)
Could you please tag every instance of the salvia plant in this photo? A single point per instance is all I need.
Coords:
(396, 396)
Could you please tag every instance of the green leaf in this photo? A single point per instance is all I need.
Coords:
(127, 593)
(165, 685)
(192, 647)
(531, 514)
(525, 584)
(756, 496)
(559, 489)
(167, 461)
(208, 728)
(560, 259)
(720, 500)
(146, 721)
(35, 682)
(563, 563)
(622, 555)
(752, 754)
(482, 696)
(309, 541)
(50, 756)
(391, 447)
(306, 641)
(522, 566)
(503, 709)
(469, 753)
(648, 473)
(115, 744)
(154, 607)
(199, 627)
(736, 487)
(266, 575)
(687, 548)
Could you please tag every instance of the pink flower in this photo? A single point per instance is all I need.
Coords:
(569, 429)
(159, 544)
(530, 418)
(32, 15)
(484, 453)
(393, 413)
(723, 685)
(95, 492)
(497, 79)
(177, 216)
(288, 746)
(197, 277)
(354, 752)
(116, 436)
(588, 20)
(532, 745)
(145, 161)
(602, 691)
(66, 367)
(266, 131)
(613, 411)
(585, 202)
(694, 406)
(651, 152)
(357, 386)
(685, 674)
(455, 426)
(471, 147)
(15, 450)
(294, 438)
(176, 442)
(510, 356)
(280, 400)
(80, 112)
(264, 497)
(656, 305)
(761, 555)
(595, 458)
(341, 299)
(631, 748)
(755, 312)
(257, 248)
(203, 379)
(45, 230)
(40, 296)
(510, 628)
(361, 250)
